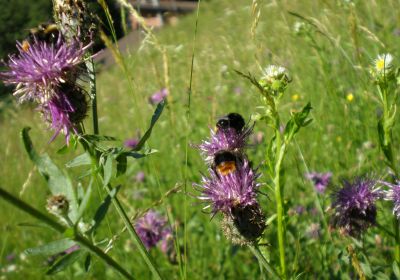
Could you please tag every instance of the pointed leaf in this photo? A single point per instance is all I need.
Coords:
(85, 200)
(102, 210)
(65, 261)
(88, 262)
(51, 248)
(57, 180)
(83, 159)
(154, 119)
(121, 164)
(108, 170)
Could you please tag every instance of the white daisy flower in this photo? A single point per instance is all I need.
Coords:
(383, 63)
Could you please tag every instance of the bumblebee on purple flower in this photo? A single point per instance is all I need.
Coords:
(232, 185)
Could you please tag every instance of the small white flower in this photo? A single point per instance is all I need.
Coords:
(274, 72)
(383, 63)
(298, 27)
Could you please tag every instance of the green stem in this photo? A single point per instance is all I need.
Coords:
(93, 94)
(280, 151)
(256, 251)
(61, 229)
(383, 91)
(136, 239)
(397, 240)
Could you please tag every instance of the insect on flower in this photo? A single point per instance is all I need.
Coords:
(232, 120)
(225, 162)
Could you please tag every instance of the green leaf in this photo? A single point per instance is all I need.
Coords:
(297, 121)
(140, 155)
(121, 164)
(83, 159)
(51, 248)
(154, 119)
(102, 210)
(366, 268)
(57, 180)
(65, 261)
(88, 262)
(98, 138)
(396, 270)
(85, 200)
(385, 141)
(108, 169)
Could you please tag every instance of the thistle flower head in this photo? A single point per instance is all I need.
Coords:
(354, 205)
(274, 73)
(158, 96)
(224, 193)
(150, 228)
(58, 205)
(320, 180)
(245, 225)
(393, 194)
(131, 143)
(225, 139)
(64, 110)
(37, 70)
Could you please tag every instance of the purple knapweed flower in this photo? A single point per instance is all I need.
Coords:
(354, 206)
(40, 67)
(320, 180)
(236, 189)
(224, 139)
(393, 194)
(150, 228)
(158, 96)
(140, 177)
(131, 143)
(10, 257)
(167, 240)
(63, 111)
(237, 90)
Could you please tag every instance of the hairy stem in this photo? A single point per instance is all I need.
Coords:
(383, 91)
(280, 150)
(93, 93)
(257, 253)
(61, 229)
(136, 239)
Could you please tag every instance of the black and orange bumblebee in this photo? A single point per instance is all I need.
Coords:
(226, 162)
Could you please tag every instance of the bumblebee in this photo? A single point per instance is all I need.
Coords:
(45, 32)
(225, 162)
(232, 120)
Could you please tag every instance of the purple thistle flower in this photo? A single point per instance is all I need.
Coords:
(237, 90)
(354, 205)
(393, 194)
(320, 180)
(140, 177)
(41, 67)
(167, 241)
(131, 143)
(224, 139)
(236, 189)
(158, 96)
(150, 228)
(10, 257)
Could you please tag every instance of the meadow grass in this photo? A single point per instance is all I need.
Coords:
(326, 68)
